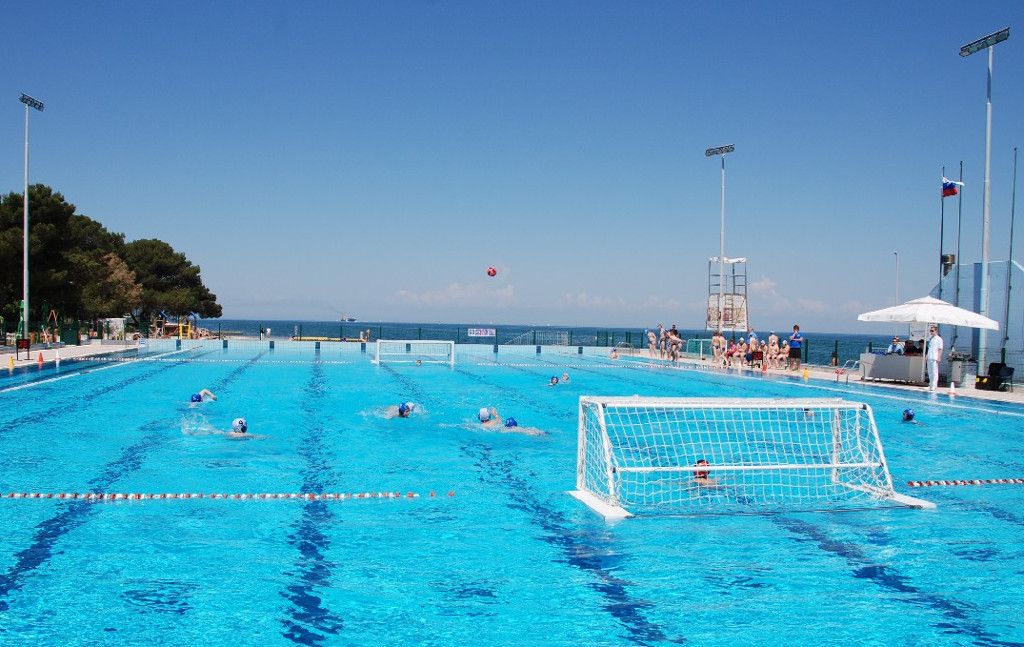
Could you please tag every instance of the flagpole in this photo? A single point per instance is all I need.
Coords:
(959, 222)
(1009, 262)
(942, 227)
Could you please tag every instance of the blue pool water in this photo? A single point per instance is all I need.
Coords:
(509, 559)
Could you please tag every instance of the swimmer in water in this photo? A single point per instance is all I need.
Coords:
(565, 377)
(419, 362)
(908, 417)
(403, 410)
(490, 419)
(240, 430)
(614, 354)
(702, 477)
(239, 427)
(553, 381)
(205, 394)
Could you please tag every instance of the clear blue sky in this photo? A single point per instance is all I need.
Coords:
(373, 159)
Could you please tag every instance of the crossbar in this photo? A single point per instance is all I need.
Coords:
(740, 468)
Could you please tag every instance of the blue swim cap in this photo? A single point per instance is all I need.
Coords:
(908, 415)
(402, 408)
(196, 397)
(511, 422)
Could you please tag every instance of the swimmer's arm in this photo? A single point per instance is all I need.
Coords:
(207, 393)
(233, 435)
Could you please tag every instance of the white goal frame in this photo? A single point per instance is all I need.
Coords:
(832, 445)
(408, 353)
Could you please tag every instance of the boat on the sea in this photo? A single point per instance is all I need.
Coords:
(348, 318)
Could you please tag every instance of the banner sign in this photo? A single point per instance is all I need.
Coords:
(735, 313)
(480, 332)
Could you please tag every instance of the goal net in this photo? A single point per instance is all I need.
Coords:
(415, 350)
(639, 455)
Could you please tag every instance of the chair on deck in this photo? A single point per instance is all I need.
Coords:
(999, 375)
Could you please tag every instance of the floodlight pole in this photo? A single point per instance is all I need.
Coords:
(38, 105)
(723, 151)
(988, 42)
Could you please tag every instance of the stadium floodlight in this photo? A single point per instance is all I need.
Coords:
(31, 103)
(985, 43)
(38, 105)
(711, 152)
(988, 42)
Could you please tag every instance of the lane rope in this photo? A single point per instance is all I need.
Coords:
(946, 483)
(238, 496)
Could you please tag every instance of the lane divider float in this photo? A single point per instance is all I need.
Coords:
(238, 496)
(946, 483)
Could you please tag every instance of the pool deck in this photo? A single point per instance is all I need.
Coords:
(65, 353)
(818, 374)
(827, 374)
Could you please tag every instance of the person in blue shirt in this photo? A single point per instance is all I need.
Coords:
(796, 343)
(895, 348)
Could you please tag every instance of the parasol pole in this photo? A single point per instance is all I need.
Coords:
(1009, 262)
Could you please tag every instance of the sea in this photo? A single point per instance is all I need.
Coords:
(820, 346)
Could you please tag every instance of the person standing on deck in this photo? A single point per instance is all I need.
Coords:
(935, 348)
(796, 342)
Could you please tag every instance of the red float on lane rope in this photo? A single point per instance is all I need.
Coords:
(238, 496)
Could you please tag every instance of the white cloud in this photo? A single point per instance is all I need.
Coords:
(661, 303)
(853, 307)
(474, 294)
(584, 300)
(764, 286)
(812, 305)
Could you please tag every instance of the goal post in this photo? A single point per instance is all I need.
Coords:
(426, 351)
(645, 455)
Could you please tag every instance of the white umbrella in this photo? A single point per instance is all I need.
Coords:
(930, 310)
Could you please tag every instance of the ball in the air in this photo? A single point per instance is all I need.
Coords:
(491, 271)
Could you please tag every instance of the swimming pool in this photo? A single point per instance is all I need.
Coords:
(509, 558)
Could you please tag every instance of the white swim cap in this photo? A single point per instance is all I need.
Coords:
(484, 414)
(239, 425)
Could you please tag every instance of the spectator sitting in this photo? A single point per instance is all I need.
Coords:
(783, 353)
(910, 348)
(896, 347)
(752, 350)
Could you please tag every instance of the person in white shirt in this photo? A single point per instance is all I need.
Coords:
(935, 348)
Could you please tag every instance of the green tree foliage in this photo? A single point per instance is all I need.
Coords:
(65, 251)
(171, 284)
(82, 270)
(114, 290)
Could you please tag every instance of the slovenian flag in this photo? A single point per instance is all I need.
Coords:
(949, 187)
